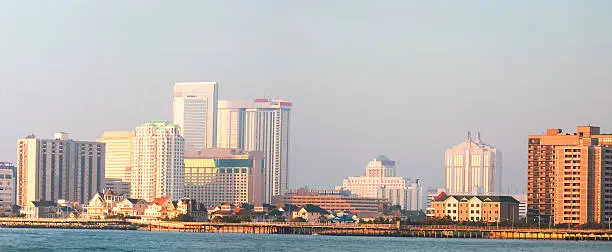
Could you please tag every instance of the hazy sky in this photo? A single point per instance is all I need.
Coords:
(404, 78)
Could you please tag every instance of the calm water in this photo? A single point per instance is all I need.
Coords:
(106, 240)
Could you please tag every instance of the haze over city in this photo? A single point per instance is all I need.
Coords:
(407, 79)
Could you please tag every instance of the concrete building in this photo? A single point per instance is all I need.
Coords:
(332, 200)
(7, 186)
(118, 161)
(473, 167)
(60, 168)
(215, 176)
(157, 165)
(462, 208)
(259, 125)
(380, 181)
(195, 113)
(569, 176)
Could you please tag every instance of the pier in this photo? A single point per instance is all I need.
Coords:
(379, 230)
(66, 223)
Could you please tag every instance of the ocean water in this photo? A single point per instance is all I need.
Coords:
(113, 240)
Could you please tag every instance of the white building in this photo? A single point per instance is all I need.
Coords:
(195, 113)
(473, 167)
(380, 181)
(7, 186)
(118, 160)
(158, 156)
(259, 125)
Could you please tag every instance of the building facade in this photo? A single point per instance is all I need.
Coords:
(215, 176)
(473, 167)
(60, 168)
(195, 113)
(157, 165)
(259, 125)
(462, 208)
(380, 181)
(7, 186)
(118, 160)
(569, 176)
(332, 200)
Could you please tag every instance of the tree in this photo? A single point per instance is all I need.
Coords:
(298, 219)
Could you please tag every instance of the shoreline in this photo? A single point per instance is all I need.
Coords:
(316, 229)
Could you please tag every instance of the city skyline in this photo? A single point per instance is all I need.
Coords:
(387, 83)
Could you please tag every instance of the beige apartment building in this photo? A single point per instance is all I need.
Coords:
(216, 176)
(569, 176)
(462, 208)
(118, 161)
(157, 164)
(59, 168)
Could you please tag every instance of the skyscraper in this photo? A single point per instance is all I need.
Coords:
(259, 125)
(473, 167)
(60, 168)
(380, 181)
(157, 168)
(118, 162)
(569, 176)
(195, 113)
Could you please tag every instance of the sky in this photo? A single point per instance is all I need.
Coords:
(403, 78)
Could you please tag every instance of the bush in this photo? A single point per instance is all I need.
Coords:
(183, 218)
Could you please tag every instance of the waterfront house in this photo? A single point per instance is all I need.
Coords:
(41, 209)
(130, 207)
(158, 208)
(96, 209)
(311, 213)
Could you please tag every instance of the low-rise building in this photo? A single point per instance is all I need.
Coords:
(41, 209)
(311, 213)
(462, 208)
(332, 200)
(131, 207)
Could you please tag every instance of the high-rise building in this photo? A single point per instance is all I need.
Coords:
(259, 125)
(216, 176)
(60, 168)
(157, 167)
(380, 181)
(7, 186)
(118, 161)
(473, 167)
(195, 113)
(569, 176)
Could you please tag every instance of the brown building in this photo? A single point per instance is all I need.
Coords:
(332, 200)
(569, 176)
(476, 208)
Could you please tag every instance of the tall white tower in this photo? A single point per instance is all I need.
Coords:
(158, 162)
(259, 125)
(195, 113)
(473, 167)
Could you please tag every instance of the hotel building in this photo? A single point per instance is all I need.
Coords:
(380, 181)
(332, 200)
(476, 208)
(118, 161)
(157, 165)
(216, 176)
(60, 168)
(259, 125)
(7, 186)
(473, 167)
(569, 176)
(195, 113)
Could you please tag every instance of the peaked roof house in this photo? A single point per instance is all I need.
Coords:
(476, 208)
(131, 207)
(40, 209)
(310, 213)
